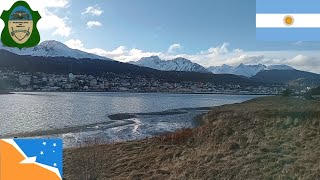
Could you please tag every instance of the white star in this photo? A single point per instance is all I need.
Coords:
(54, 144)
(42, 153)
(54, 151)
(44, 143)
(55, 164)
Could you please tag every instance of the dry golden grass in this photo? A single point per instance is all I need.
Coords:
(265, 138)
(179, 137)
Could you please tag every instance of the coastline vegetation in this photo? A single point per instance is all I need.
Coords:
(265, 138)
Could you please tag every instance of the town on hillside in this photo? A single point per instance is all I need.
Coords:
(24, 81)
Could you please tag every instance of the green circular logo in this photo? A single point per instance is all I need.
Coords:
(20, 26)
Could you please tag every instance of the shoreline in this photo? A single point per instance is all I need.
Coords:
(123, 116)
(83, 128)
(116, 120)
(232, 141)
(199, 93)
(5, 92)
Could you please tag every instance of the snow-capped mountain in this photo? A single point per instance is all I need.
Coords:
(182, 64)
(178, 64)
(224, 69)
(246, 70)
(249, 70)
(52, 49)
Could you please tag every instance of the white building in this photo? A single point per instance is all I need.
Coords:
(71, 77)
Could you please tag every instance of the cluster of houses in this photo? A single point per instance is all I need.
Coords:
(121, 83)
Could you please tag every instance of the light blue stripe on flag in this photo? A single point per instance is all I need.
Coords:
(288, 34)
(288, 6)
(276, 33)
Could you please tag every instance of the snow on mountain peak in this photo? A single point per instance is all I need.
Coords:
(224, 69)
(182, 59)
(178, 64)
(183, 64)
(246, 70)
(52, 44)
(52, 48)
(151, 58)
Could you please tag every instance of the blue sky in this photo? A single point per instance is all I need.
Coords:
(155, 25)
(208, 32)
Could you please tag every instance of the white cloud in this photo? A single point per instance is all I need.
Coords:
(121, 53)
(92, 24)
(213, 51)
(50, 21)
(216, 56)
(174, 48)
(57, 24)
(93, 10)
(305, 62)
(74, 44)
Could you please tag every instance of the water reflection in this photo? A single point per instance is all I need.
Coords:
(29, 112)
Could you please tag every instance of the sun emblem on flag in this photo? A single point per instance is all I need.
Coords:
(288, 20)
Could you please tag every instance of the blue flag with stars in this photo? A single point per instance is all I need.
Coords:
(47, 151)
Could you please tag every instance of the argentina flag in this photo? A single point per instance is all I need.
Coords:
(288, 20)
(31, 159)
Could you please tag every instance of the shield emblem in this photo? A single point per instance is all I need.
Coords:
(20, 24)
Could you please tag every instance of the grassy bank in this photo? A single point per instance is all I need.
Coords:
(265, 138)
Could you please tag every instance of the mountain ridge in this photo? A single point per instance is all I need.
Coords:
(58, 51)
(99, 68)
(183, 64)
(247, 70)
(287, 77)
(177, 64)
(52, 48)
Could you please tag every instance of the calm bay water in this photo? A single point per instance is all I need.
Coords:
(32, 112)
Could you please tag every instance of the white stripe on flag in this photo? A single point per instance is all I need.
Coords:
(277, 21)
